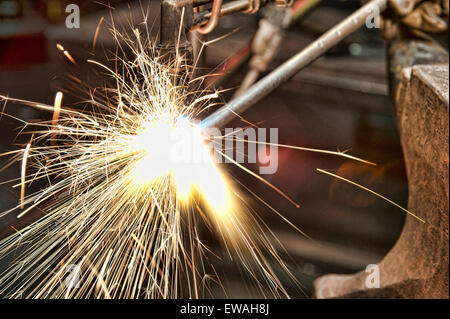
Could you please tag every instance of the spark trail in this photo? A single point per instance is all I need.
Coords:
(119, 211)
(122, 218)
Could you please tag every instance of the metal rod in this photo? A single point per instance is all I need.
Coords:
(182, 3)
(213, 20)
(289, 68)
(174, 18)
(227, 9)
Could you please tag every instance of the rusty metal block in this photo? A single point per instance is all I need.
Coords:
(418, 264)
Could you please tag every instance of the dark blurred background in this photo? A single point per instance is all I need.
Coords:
(339, 102)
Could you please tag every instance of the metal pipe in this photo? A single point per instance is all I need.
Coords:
(289, 68)
(176, 21)
(227, 9)
(213, 20)
(182, 3)
(253, 6)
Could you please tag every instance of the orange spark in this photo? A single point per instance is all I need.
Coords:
(71, 59)
(24, 169)
(66, 53)
(371, 191)
(57, 105)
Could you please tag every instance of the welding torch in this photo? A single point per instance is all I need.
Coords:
(288, 69)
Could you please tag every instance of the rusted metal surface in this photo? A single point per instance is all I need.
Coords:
(406, 53)
(176, 21)
(418, 264)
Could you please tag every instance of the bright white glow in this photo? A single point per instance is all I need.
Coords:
(181, 152)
